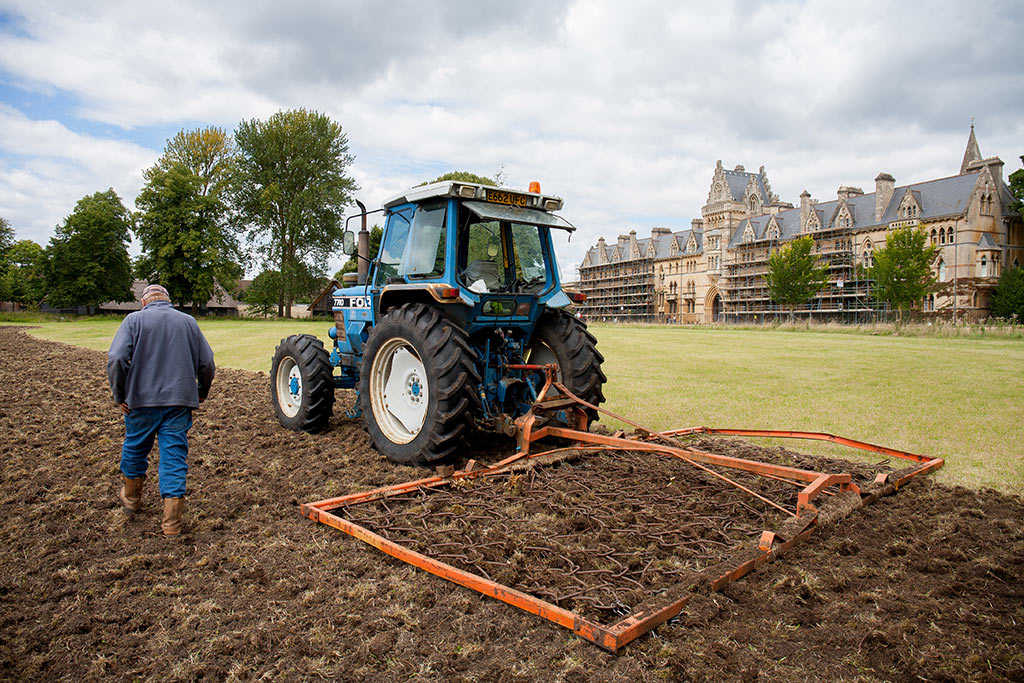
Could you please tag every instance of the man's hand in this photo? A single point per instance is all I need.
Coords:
(124, 408)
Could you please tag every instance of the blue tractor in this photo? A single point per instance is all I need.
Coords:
(444, 331)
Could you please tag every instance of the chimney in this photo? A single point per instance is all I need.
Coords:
(697, 224)
(632, 241)
(885, 184)
(805, 209)
(658, 232)
(847, 191)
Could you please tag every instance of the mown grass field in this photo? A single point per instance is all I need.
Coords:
(959, 398)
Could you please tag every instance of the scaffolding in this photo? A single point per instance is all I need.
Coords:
(619, 292)
(846, 298)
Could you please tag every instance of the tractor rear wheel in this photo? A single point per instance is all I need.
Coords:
(417, 385)
(302, 384)
(563, 339)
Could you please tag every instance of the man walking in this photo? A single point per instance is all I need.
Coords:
(160, 368)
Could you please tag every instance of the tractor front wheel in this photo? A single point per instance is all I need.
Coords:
(302, 384)
(417, 386)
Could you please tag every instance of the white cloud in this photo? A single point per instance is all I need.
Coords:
(622, 109)
(46, 168)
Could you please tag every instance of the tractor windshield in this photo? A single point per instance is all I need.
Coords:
(501, 256)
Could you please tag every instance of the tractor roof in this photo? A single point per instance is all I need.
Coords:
(486, 193)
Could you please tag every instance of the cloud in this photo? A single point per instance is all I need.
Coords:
(46, 168)
(621, 109)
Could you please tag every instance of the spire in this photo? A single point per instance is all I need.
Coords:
(972, 153)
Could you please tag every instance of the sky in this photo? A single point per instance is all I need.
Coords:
(622, 109)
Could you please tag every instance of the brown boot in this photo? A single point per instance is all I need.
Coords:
(173, 507)
(131, 494)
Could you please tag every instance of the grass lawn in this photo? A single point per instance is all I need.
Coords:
(961, 399)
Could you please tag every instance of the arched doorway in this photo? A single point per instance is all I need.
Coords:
(712, 305)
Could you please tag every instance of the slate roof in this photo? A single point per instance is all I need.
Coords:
(942, 197)
(226, 300)
(662, 246)
(738, 181)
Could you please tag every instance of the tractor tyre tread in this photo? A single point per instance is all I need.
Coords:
(317, 382)
(583, 376)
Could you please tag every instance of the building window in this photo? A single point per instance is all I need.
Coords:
(933, 235)
(984, 266)
(949, 235)
(942, 271)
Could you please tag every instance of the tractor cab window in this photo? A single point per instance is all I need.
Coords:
(529, 256)
(423, 255)
(499, 256)
(484, 271)
(391, 250)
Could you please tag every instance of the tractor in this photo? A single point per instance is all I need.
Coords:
(450, 330)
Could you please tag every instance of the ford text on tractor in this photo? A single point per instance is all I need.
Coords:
(457, 325)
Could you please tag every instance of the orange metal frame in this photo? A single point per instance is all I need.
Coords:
(658, 610)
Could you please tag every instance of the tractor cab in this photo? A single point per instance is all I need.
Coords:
(491, 250)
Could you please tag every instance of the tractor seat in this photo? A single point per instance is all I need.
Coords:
(487, 271)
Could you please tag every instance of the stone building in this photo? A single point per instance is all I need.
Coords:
(715, 270)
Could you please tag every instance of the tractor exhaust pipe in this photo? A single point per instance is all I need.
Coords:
(362, 248)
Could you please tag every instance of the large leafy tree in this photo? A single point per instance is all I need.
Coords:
(1008, 297)
(263, 293)
(6, 236)
(1016, 187)
(902, 269)
(290, 193)
(6, 239)
(463, 177)
(87, 258)
(186, 243)
(23, 282)
(209, 153)
(794, 276)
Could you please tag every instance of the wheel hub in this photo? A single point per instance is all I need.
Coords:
(400, 391)
(289, 387)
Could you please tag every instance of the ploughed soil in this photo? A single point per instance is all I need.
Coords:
(921, 585)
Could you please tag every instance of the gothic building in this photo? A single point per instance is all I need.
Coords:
(715, 270)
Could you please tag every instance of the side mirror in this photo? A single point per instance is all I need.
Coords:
(348, 243)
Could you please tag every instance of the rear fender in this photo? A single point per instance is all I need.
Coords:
(397, 295)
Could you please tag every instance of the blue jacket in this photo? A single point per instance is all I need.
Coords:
(159, 358)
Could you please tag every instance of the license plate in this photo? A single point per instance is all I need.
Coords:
(507, 198)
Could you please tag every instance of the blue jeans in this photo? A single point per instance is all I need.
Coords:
(170, 427)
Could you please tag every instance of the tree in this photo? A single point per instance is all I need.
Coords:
(1016, 187)
(23, 282)
(794, 276)
(209, 153)
(290, 192)
(463, 177)
(87, 258)
(902, 269)
(6, 239)
(352, 265)
(186, 243)
(263, 293)
(1008, 297)
(6, 236)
